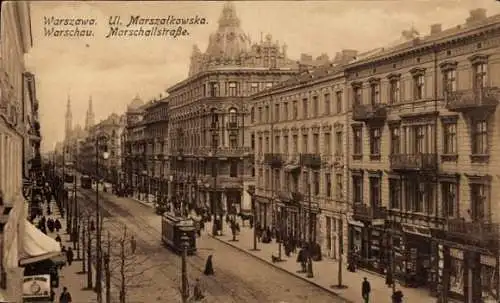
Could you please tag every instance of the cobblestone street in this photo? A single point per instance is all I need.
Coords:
(243, 279)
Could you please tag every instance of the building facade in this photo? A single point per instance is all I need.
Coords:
(135, 149)
(108, 134)
(210, 156)
(156, 140)
(16, 41)
(32, 158)
(424, 155)
(298, 132)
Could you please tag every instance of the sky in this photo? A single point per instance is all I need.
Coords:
(114, 70)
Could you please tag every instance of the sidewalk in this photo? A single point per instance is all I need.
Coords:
(325, 271)
(69, 276)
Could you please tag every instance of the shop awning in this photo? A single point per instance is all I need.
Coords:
(37, 246)
(291, 167)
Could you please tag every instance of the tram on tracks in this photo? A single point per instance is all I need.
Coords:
(86, 182)
(173, 228)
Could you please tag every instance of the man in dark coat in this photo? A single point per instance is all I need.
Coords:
(65, 296)
(57, 225)
(365, 290)
(209, 268)
(69, 256)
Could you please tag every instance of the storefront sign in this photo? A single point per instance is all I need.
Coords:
(457, 254)
(421, 231)
(36, 287)
(488, 260)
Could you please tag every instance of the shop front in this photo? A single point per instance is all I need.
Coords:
(263, 210)
(417, 255)
(366, 244)
(464, 270)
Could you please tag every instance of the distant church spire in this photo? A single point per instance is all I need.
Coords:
(69, 120)
(89, 119)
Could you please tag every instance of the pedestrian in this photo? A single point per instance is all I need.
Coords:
(198, 291)
(365, 290)
(133, 244)
(65, 296)
(57, 225)
(69, 256)
(58, 239)
(209, 267)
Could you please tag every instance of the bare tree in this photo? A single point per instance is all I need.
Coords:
(126, 268)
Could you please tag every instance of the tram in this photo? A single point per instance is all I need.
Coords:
(86, 182)
(172, 229)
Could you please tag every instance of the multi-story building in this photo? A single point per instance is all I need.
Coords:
(16, 41)
(211, 160)
(298, 131)
(32, 158)
(424, 186)
(135, 164)
(107, 132)
(156, 123)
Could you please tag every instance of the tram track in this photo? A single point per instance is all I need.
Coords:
(223, 285)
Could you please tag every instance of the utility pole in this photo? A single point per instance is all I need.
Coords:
(83, 252)
(74, 234)
(310, 273)
(108, 271)
(185, 286)
(89, 255)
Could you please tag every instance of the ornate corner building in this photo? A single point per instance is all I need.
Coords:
(19, 141)
(211, 161)
(424, 187)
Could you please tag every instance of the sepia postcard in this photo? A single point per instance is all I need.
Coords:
(250, 151)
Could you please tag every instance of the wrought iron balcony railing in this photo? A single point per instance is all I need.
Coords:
(275, 160)
(363, 212)
(369, 112)
(477, 231)
(464, 100)
(420, 161)
(310, 160)
(224, 151)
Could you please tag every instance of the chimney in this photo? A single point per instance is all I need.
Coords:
(475, 15)
(436, 28)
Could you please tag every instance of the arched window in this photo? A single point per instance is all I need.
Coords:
(252, 115)
(233, 116)
(214, 117)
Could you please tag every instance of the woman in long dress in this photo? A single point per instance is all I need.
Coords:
(209, 268)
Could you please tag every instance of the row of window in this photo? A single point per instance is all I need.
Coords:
(221, 89)
(449, 78)
(290, 144)
(316, 183)
(408, 195)
(313, 107)
(415, 139)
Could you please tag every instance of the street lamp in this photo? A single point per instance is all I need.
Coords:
(105, 156)
(185, 282)
(310, 273)
(251, 191)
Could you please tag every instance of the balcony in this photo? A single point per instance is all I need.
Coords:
(274, 160)
(292, 158)
(363, 212)
(369, 112)
(310, 160)
(470, 99)
(415, 162)
(326, 158)
(232, 125)
(477, 231)
(225, 152)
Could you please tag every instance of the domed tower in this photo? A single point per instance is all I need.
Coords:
(229, 41)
